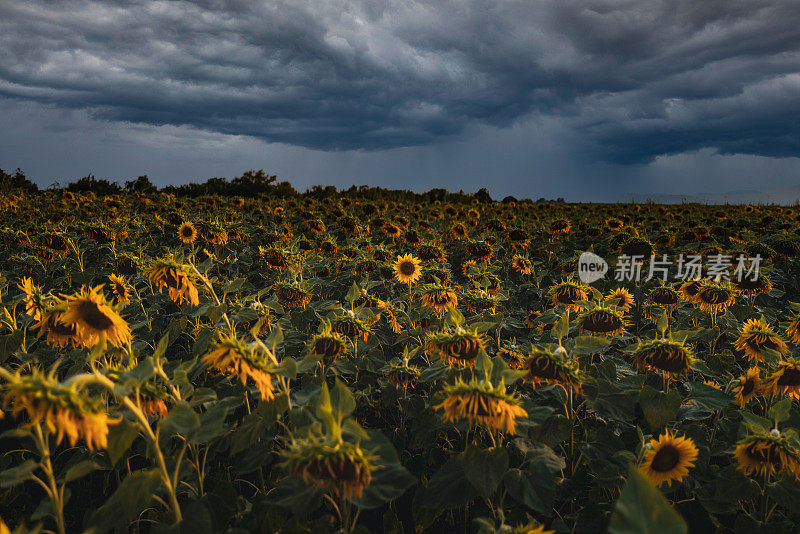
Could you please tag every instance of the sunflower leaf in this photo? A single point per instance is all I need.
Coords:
(642, 509)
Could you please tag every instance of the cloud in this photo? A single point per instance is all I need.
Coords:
(633, 79)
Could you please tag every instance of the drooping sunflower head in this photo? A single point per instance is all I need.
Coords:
(187, 232)
(435, 276)
(530, 528)
(549, 367)
(235, 359)
(328, 345)
(292, 295)
(170, 275)
(127, 266)
(767, 453)
(748, 386)
(479, 251)
(751, 287)
(664, 297)
(150, 396)
(513, 354)
(521, 264)
(407, 268)
(568, 293)
(714, 297)
(119, 289)
(668, 459)
(480, 403)
(793, 330)
(35, 300)
(458, 231)
(93, 318)
(459, 348)
(690, 289)
(560, 226)
(438, 297)
(518, 237)
(273, 258)
(350, 325)
(63, 409)
(342, 468)
(665, 357)
(401, 375)
(602, 321)
(785, 380)
(621, 298)
(429, 252)
(480, 302)
(757, 335)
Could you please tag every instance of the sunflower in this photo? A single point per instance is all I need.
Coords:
(601, 322)
(127, 266)
(273, 258)
(546, 367)
(623, 298)
(459, 348)
(479, 251)
(56, 332)
(559, 226)
(34, 299)
(63, 409)
(757, 335)
(531, 529)
(328, 345)
(568, 293)
(793, 330)
(689, 290)
(513, 355)
(407, 269)
(438, 298)
(166, 274)
(784, 381)
(714, 297)
(481, 404)
(748, 387)
(340, 467)
(666, 357)
(755, 287)
(458, 231)
(292, 295)
(401, 375)
(668, 458)
(187, 232)
(664, 297)
(118, 289)
(767, 453)
(351, 326)
(521, 264)
(234, 359)
(93, 318)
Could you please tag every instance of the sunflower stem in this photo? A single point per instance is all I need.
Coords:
(56, 496)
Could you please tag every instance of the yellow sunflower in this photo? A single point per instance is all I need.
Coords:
(169, 275)
(793, 330)
(481, 404)
(521, 264)
(568, 293)
(623, 298)
(665, 357)
(757, 335)
(668, 458)
(748, 387)
(118, 288)
(714, 297)
(407, 269)
(34, 299)
(234, 359)
(767, 453)
(784, 381)
(94, 318)
(187, 232)
(601, 322)
(459, 348)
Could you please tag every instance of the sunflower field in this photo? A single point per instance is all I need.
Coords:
(379, 361)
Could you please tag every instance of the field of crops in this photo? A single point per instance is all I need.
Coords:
(372, 361)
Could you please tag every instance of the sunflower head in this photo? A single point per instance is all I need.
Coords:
(482, 404)
(459, 348)
(748, 386)
(400, 374)
(235, 359)
(187, 232)
(767, 453)
(119, 289)
(274, 258)
(407, 268)
(328, 345)
(668, 459)
(785, 380)
(35, 300)
(757, 335)
(621, 298)
(513, 354)
(665, 357)
(351, 326)
(714, 297)
(438, 297)
(292, 295)
(521, 264)
(94, 318)
(548, 367)
(479, 251)
(568, 294)
(172, 276)
(602, 321)
(664, 297)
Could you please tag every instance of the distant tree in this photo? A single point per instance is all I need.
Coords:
(508, 199)
(483, 195)
(17, 180)
(141, 185)
(101, 187)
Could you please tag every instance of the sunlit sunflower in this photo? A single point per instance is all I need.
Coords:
(94, 318)
(568, 293)
(465, 268)
(340, 467)
(187, 232)
(63, 409)
(714, 297)
(784, 381)
(668, 459)
(169, 275)
(438, 298)
(665, 357)
(690, 289)
(748, 386)
(481, 404)
(560, 226)
(530, 528)
(273, 258)
(755, 336)
(793, 330)
(521, 264)
(547, 368)
(407, 268)
(459, 348)
(513, 355)
(233, 358)
(119, 289)
(401, 375)
(34, 299)
(767, 453)
(623, 298)
(601, 321)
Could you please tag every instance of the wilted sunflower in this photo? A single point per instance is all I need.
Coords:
(666, 357)
(714, 297)
(187, 232)
(234, 359)
(521, 264)
(755, 287)
(150, 396)
(167, 274)
(93, 318)
(292, 295)
(459, 348)
(127, 266)
(342, 468)
(547, 367)
(664, 297)
(560, 226)
(767, 453)
(328, 345)
(513, 355)
(273, 258)
(351, 326)
(438, 298)
(601, 321)
(784, 381)
(34, 299)
(481, 404)
(668, 458)
(401, 375)
(407, 269)
(458, 231)
(623, 298)
(749, 386)
(568, 293)
(757, 335)
(118, 288)
(479, 251)
(690, 289)
(63, 409)
(56, 332)
(793, 330)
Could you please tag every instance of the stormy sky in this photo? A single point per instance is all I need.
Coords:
(587, 100)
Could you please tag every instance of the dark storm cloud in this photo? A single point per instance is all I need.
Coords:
(632, 78)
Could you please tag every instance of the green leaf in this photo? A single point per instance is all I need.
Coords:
(342, 400)
(642, 509)
(590, 344)
(212, 424)
(485, 468)
(755, 423)
(81, 469)
(454, 317)
(120, 437)
(130, 498)
(663, 323)
(181, 419)
(233, 286)
(17, 475)
(449, 487)
(659, 408)
(561, 329)
(275, 337)
(293, 494)
(779, 411)
(388, 483)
